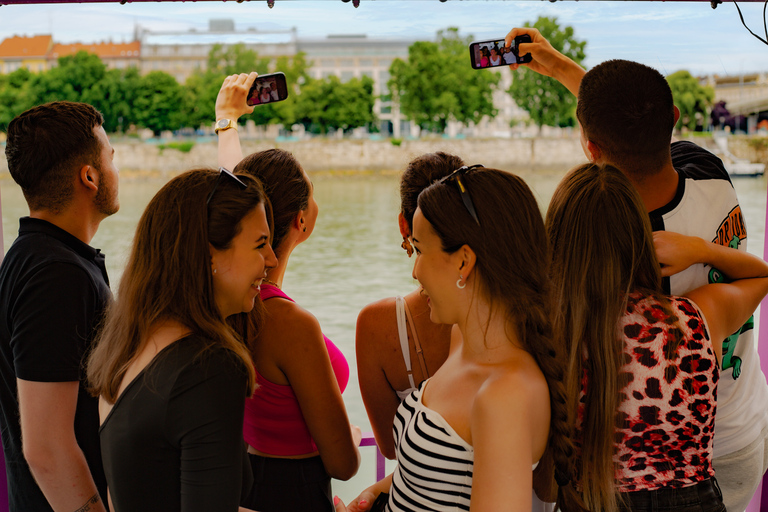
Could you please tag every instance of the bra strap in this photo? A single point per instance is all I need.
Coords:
(401, 308)
(419, 352)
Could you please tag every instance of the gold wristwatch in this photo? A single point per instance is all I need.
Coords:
(224, 124)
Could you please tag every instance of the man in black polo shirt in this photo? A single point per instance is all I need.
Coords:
(53, 291)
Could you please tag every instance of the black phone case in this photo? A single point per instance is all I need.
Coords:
(525, 38)
(380, 503)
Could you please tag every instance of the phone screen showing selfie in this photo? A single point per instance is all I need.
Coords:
(268, 89)
(489, 54)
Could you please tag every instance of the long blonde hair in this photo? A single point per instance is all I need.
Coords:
(168, 274)
(602, 250)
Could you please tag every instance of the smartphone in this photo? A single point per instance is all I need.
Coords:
(490, 54)
(268, 89)
(381, 503)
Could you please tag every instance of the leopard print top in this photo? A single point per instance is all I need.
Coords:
(668, 406)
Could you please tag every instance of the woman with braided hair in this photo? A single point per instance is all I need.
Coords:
(642, 366)
(469, 436)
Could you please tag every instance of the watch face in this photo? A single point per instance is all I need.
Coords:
(222, 123)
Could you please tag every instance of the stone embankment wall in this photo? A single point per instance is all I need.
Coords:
(137, 159)
(343, 156)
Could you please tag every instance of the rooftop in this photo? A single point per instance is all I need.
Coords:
(105, 50)
(26, 47)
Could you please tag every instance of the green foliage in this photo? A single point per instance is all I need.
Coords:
(329, 104)
(114, 96)
(436, 83)
(544, 98)
(198, 99)
(690, 97)
(184, 147)
(72, 79)
(235, 59)
(14, 95)
(396, 142)
(158, 101)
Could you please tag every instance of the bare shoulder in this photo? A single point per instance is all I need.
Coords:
(519, 386)
(381, 311)
(377, 321)
(304, 326)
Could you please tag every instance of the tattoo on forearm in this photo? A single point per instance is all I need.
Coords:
(91, 501)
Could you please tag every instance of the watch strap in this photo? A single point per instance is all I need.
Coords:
(219, 126)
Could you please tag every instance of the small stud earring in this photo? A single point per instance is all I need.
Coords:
(214, 271)
(459, 284)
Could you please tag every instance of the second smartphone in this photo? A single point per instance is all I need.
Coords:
(489, 54)
(268, 89)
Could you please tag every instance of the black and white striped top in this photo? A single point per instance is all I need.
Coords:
(434, 464)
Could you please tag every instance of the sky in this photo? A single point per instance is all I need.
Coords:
(668, 36)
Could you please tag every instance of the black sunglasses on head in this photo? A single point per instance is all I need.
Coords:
(456, 175)
(230, 175)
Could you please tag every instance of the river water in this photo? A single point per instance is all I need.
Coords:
(353, 257)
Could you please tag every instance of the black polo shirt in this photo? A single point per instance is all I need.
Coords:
(53, 292)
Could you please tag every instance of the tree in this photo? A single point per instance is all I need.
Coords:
(546, 100)
(199, 98)
(229, 60)
(72, 79)
(158, 102)
(14, 95)
(436, 84)
(114, 96)
(691, 98)
(328, 104)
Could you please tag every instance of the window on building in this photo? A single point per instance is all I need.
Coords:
(346, 76)
(347, 62)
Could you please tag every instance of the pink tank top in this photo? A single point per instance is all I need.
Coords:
(273, 420)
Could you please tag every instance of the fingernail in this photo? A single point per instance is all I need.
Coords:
(335, 500)
(363, 502)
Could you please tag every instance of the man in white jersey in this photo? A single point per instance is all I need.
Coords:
(627, 115)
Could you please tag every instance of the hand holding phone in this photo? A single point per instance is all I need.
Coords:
(489, 54)
(231, 100)
(268, 89)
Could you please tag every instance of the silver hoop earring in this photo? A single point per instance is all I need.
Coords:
(459, 284)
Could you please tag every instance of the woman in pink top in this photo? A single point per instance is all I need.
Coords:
(296, 424)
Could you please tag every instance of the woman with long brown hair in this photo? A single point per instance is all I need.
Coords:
(296, 425)
(642, 366)
(171, 372)
(468, 438)
(396, 344)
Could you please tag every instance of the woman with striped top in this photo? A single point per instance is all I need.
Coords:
(468, 437)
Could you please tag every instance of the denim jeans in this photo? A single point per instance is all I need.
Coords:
(702, 497)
